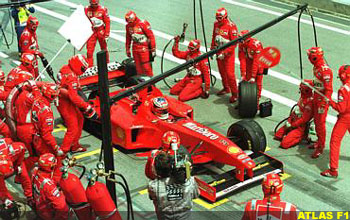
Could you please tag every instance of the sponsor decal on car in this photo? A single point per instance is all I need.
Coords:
(203, 131)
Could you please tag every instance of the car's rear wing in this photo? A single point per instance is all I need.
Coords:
(226, 184)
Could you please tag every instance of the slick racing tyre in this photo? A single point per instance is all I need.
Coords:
(129, 67)
(247, 99)
(248, 135)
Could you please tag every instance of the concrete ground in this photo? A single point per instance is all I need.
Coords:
(304, 187)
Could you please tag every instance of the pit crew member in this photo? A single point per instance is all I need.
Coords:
(323, 82)
(4, 129)
(342, 125)
(170, 141)
(143, 43)
(172, 196)
(12, 161)
(42, 118)
(50, 202)
(99, 18)
(223, 32)
(294, 130)
(72, 105)
(28, 39)
(271, 207)
(251, 71)
(190, 87)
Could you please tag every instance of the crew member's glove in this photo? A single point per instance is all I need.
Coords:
(154, 54)
(19, 170)
(177, 39)
(288, 125)
(8, 203)
(128, 53)
(252, 80)
(90, 113)
(38, 53)
(59, 151)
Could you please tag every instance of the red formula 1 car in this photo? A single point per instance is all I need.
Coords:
(135, 128)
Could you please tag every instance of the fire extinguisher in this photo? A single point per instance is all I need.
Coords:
(99, 198)
(74, 191)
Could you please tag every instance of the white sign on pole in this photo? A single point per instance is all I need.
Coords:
(77, 28)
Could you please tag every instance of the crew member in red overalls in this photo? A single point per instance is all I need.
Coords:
(225, 31)
(343, 121)
(190, 86)
(143, 43)
(100, 21)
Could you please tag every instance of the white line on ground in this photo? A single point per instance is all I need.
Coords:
(292, 18)
(280, 99)
(3, 55)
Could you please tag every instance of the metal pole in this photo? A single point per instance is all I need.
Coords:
(189, 63)
(106, 120)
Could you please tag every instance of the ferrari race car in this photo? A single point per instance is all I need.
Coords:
(135, 128)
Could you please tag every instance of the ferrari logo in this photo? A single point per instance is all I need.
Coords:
(273, 53)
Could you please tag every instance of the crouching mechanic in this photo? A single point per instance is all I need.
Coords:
(12, 161)
(190, 87)
(294, 131)
(170, 141)
(343, 122)
(49, 201)
(271, 207)
(172, 191)
(71, 105)
(99, 18)
(139, 32)
(43, 120)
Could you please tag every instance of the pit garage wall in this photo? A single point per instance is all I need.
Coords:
(333, 6)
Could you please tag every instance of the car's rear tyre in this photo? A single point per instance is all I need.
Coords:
(129, 67)
(247, 99)
(248, 135)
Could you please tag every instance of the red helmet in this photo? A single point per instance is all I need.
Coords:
(160, 107)
(315, 54)
(50, 91)
(243, 32)
(169, 139)
(94, 3)
(254, 47)
(28, 60)
(344, 73)
(32, 23)
(130, 17)
(194, 45)
(221, 14)
(78, 63)
(2, 77)
(272, 185)
(6, 166)
(47, 162)
(304, 89)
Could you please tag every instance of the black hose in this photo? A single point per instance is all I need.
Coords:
(299, 42)
(162, 62)
(212, 77)
(285, 119)
(194, 19)
(314, 27)
(127, 187)
(84, 170)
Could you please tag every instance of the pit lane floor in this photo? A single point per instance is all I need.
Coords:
(304, 187)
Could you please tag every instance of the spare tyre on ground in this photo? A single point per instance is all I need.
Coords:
(247, 99)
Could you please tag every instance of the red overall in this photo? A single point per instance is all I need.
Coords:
(250, 68)
(323, 82)
(272, 208)
(101, 27)
(29, 44)
(50, 202)
(143, 41)
(190, 87)
(70, 108)
(342, 125)
(298, 120)
(15, 151)
(224, 32)
(44, 141)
